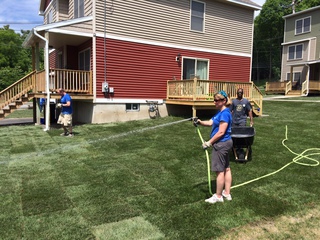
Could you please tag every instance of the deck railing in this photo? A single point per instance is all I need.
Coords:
(276, 86)
(73, 81)
(205, 89)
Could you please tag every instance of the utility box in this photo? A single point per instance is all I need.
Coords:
(105, 87)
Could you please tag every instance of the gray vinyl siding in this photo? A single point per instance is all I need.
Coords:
(84, 27)
(52, 8)
(227, 27)
(63, 10)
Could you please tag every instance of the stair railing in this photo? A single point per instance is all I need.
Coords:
(17, 89)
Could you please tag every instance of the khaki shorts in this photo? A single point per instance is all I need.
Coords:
(65, 119)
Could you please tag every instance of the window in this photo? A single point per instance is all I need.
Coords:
(295, 52)
(195, 67)
(132, 107)
(84, 60)
(78, 8)
(296, 76)
(303, 25)
(197, 16)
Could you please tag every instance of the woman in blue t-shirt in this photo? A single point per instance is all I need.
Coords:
(221, 142)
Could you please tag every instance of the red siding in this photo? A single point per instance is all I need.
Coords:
(52, 59)
(141, 71)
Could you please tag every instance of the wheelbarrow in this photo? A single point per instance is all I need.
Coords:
(242, 138)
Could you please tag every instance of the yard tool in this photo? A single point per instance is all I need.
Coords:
(195, 123)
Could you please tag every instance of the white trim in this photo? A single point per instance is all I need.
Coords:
(298, 41)
(67, 32)
(303, 63)
(163, 44)
(255, 7)
(126, 100)
(301, 12)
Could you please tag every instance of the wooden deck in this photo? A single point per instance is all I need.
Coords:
(77, 83)
(199, 93)
(289, 88)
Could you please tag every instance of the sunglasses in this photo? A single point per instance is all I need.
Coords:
(217, 100)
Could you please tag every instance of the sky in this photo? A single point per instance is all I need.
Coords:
(24, 14)
(20, 14)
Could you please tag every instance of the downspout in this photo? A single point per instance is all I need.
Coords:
(46, 67)
(308, 76)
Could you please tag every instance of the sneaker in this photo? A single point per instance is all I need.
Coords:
(70, 135)
(214, 199)
(226, 196)
(64, 134)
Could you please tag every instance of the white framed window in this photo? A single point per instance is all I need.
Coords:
(84, 60)
(303, 25)
(197, 11)
(296, 76)
(295, 52)
(78, 8)
(195, 67)
(132, 107)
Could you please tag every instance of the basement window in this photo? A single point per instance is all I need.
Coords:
(132, 107)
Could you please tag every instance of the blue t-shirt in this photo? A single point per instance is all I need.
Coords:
(222, 116)
(66, 110)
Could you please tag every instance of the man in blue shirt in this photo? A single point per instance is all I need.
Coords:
(65, 117)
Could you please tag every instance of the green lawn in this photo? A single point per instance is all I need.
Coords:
(148, 180)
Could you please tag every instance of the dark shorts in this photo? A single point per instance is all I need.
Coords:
(220, 156)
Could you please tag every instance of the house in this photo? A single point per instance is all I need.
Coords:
(116, 58)
(300, 70)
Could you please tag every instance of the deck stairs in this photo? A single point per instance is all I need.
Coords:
(16, 95)
(13, 106)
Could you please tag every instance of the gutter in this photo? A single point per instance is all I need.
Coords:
(46, 67)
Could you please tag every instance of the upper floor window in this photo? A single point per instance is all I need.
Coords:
(197, 10)
(78, 8)
(295, 52)
(303, 25)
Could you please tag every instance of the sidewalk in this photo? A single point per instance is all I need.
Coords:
(15, 121)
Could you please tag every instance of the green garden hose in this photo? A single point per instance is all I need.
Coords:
(208, 160)
(303, 155)
(316, 151)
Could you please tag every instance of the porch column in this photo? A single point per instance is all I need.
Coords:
(291, 74)
(37, 57)
(194, 111)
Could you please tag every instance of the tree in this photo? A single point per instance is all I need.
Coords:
(268, 36)
(15, 61)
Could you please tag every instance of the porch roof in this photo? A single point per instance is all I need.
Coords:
(303, 63)
(58, 36)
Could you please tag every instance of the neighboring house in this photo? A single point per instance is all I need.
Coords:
(128, 50)
(301, 51)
